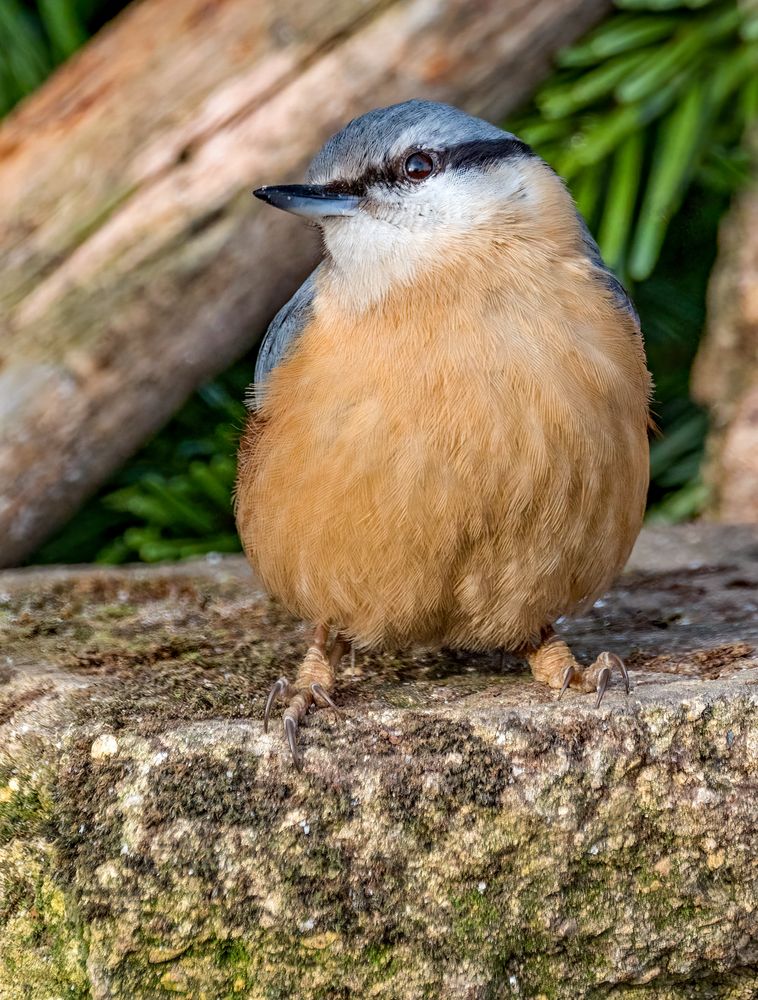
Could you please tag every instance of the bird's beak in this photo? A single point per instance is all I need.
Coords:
(309, 200)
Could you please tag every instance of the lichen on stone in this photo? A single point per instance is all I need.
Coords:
(458, 833)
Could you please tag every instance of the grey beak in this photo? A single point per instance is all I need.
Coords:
(309, 200)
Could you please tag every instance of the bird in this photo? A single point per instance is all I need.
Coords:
(447, 442)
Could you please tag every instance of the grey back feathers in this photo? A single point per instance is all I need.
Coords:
(605, 274)
(284, 330)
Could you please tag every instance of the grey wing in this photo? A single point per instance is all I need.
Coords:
(283, 332)
(610, 280)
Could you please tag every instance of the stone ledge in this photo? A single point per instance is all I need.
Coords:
(458, 834)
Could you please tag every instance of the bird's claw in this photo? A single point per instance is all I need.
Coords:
(568, 673)
(318, 691)
(596, 678)
(301, 697)
(608, 662)
(290, 728)
(278, 689)
(602, 683)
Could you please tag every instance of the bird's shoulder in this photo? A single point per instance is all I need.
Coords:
(606, 275)
(282, 334)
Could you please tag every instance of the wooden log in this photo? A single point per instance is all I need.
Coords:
(725, 374)
(135, 264)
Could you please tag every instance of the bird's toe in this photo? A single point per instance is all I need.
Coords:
(598, 676)
(554, 664)
(312, 689)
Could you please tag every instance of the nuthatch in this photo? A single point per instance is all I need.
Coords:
(448, 442)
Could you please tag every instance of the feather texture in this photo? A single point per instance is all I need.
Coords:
(464, 460)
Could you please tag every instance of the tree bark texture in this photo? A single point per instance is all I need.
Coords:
(135, 264)
(725, 376)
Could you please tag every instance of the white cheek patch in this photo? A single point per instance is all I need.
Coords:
(402, 230)
(459, 200)
(371, 256)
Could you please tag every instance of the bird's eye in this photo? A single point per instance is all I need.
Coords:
(418, 166)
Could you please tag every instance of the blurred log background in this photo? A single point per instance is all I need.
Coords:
(136, 267)
(725, 376)
(135, 263)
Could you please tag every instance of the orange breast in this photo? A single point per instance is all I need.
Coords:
(451, 468)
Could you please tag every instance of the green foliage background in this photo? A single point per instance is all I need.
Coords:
(645, 118)
(37, 35)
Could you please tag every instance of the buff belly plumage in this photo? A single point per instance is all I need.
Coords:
(468, 505)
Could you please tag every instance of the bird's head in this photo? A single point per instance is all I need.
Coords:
(401, 189)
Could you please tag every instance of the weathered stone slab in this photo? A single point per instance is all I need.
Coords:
(458, 834)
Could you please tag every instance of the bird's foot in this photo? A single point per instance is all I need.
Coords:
(312, 688)
(553, 663)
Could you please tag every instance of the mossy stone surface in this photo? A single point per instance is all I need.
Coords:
(458, 833)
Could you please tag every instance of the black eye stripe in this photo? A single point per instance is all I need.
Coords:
(481, 152)
(464, 155)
